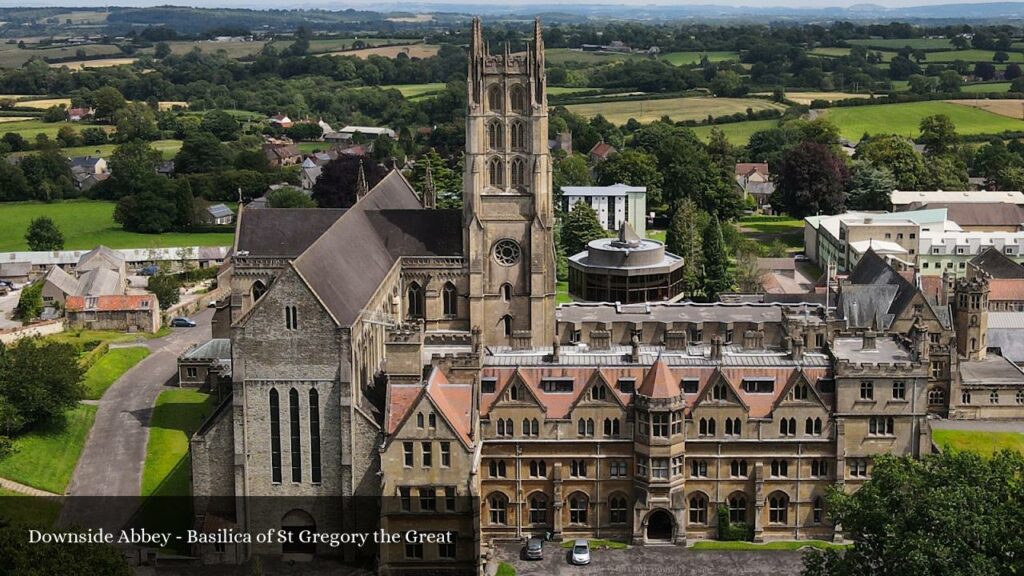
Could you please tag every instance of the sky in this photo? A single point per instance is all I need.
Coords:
(553, 4)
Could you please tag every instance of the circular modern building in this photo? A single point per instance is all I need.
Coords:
(627, 269)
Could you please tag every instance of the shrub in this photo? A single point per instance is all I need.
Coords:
(732, 532)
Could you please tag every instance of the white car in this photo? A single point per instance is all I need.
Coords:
(580, 553)
(801, 258)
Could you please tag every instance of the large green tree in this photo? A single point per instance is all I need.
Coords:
(898, 155)
(107, 101)
(579, 227)
(870, 187)
(39, 380)
(811, 180)
(948, 514)
(684, 239)
(27, 559)
(43, 235)
(201, 152)
(166, 289)
(289, 197)
(132, 169)
(716, 261)
(135, 121)
(635, 168)
(938, 134)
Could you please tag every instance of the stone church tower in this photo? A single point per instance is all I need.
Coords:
(508, 212)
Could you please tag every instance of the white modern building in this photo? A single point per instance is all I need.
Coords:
(911, 199)
(614, 204)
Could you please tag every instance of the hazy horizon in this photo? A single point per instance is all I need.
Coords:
(377, 5)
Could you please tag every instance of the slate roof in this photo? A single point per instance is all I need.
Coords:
(1006, 332)
(62, 280)
(283, 232)
(975, 214)
(997, 265)
(346, 265)
(98, 282)
(216, 348)
(876, 291)
(992, 371)
(101, 256)
(15, 269)
(219, 211)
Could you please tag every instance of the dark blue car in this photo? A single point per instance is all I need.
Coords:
(183, 322)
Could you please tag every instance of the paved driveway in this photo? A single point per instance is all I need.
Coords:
(655, 561)
(111, 463)
(7, 305)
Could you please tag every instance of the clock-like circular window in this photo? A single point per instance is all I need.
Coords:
(507, 252)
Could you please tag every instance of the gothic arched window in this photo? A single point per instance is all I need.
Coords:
(416, 301)
(451, 299)
(496, 172)
(494, 99)
(517, 97)
(495, 135)
(518, 176)
(506, 325)
(517, 132)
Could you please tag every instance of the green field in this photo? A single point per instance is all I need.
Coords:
(46, 458)
(737, 132)
(29, 129)
(986, 88)
(678, 109)
(835, 52)
(87, 224)
(168, 148)
(32, 511)
(563, 55)
(689, 58)
(969, 56)
(752, 547)
(562, 293)
(416, 90)
(13, 57)
(986, 443)
(905, 119)
(897, 43)
(110, 367)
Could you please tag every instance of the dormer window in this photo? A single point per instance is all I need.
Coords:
(759, 385)
(557, 385)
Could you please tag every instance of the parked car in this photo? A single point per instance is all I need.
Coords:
(535, 549)
(7, 284)
(150, 270)
(182, 322)
(801, 257)
(580, 553)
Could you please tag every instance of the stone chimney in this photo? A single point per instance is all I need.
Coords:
(716, 348)
(675, 339)
(921, 344)
(556, 348)
(521, 339)
(753, 340)
(600, 339)
(869, 340)
(634, 350)
(796, 348)
(404, 353)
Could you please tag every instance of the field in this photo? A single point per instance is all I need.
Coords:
(905, 119)
(969, 56)
(986, 443)
(13, 57)
(736, 132)
(678, 109)
(413, 51)
(44, 103)
(102, 63)
(110, 367)
(1008, 108)
(87, 224)
(689, 58)
(46, 458)
(832, 52)
(29, 129)
(807, 97)
(413, 91)
(897, 43)
(232, 49)
(986, 88)
(31, 511)
(168, 148)
(563, 55)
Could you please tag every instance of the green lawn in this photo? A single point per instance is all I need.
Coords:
(178, 413)
(109, 368)
(678, 109)
(414, 90)
(80, 338)
(688, 58)
(737, 133)
(905, 119)
(658, 235)
(88, 223)
(505, 569)
(598, 543)
(29, 129)
(563, 55)
(750, 546)
(31, 511)
(46, 458)
(559, 90)
(986, 88)
(969, 56)
(14, 57)
(986, 443)
(168, 148)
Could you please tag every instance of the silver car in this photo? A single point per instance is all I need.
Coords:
(580, 553)
(535, 549)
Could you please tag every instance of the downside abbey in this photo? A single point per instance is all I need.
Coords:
(401, 367)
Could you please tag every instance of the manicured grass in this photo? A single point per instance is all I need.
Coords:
(678, 109)
(46, 458)
(596, 543)
(969, 56)
(658, 235)
(415, 90)
(737, 133)
(29, 129)
(79, 338)
(752, 547)
(21, 510)
(177, 414)
(905, 119)
(897, 43)
(986, 443)
(562, 293)
(110, 367)
(986, 88)
(689, 58)
(87, 224)
(505, 569)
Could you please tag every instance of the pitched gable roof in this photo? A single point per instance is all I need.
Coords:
(716, 377)
(346, 264)
(885, 296)
(799, 377)
(997, 265)
(62, 280)
(101, 256)
(454, 402)
(283, 232)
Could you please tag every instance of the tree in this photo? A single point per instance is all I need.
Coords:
(338, 182)
(1012, 72)
(106, 101)
(716, 261)
(132, 169)
(960, 42)
(728, 83)
(947, 172)
(308, 131)
(200, 152)
(13, 185)
(984, 71)
(30, 303)
(22, 557)
(938, 134)
(811, 180)
(447, 180)
(635, 168)
(135, 122)
(221, 124)
(898, 155)
(148, 212)
(870, 187)
(569, 171)
(43, 235)
(289, 197)
(944, 514)
(920, 84)
(39, 379)
(166, 288)
(684, 239)
(1000, 57)
(579, 227)
(161, 50)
